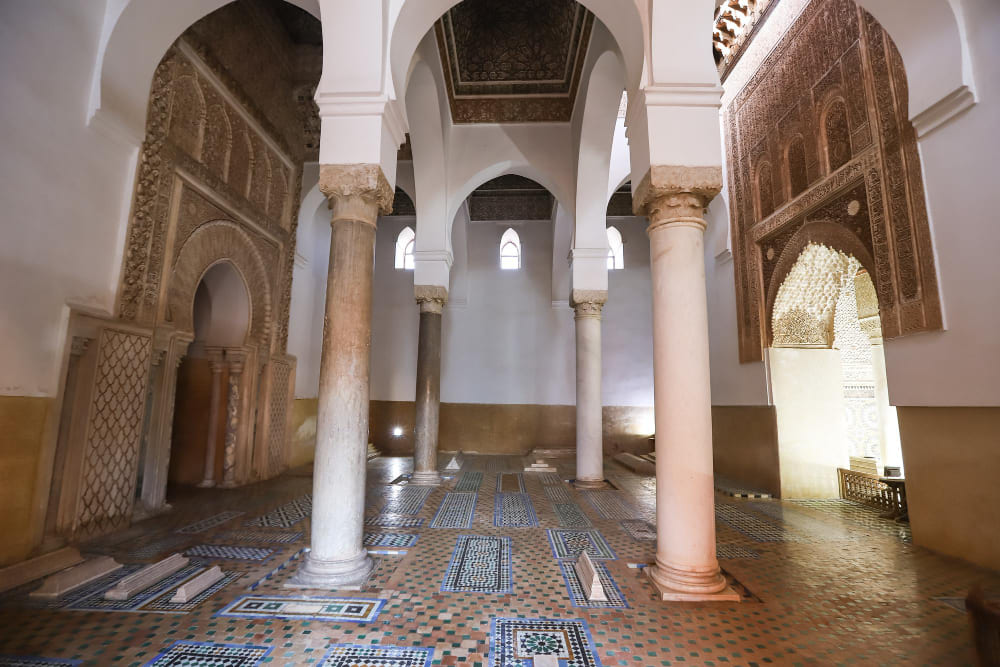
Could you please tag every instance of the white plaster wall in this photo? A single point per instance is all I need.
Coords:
(504, 339)
(961, 365)
(65, 188)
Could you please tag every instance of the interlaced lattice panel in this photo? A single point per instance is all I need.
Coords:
(113, 432)
(281, 372)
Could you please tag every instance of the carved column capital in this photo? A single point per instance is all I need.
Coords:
(588, 303)
(237, 360)
(79, 345)
(431, 298)
(676, 195)
(358, 192)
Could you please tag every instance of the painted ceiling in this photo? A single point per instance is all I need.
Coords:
(509, 61)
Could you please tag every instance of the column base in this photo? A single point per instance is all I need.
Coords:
(425, 478)
(332, 575)
(675, 585)
(206, 484)
(589, 484)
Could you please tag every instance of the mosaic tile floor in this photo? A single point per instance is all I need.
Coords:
(836, 585)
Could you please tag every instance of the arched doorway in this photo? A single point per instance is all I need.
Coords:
(208, 379)
(827, 373)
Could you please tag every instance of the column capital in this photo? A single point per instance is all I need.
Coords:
(588, 302)
(356, 191)
(431, 298)
(676, 195)
(237, 359)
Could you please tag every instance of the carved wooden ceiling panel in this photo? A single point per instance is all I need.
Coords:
(509, 61)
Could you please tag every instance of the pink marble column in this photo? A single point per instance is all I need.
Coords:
(686, 566)
(587, 305)
(217, 365)
(338, 558)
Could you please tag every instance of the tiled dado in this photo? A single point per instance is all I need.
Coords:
(483, 577)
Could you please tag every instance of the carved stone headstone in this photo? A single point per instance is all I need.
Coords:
(71, 579)
(196, 586)
(586, 572)
(35, 568)
(145, 577)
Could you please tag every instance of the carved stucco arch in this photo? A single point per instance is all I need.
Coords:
(829, 234)
(208, 245)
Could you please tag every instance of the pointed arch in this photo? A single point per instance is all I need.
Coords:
(510, 250)
(404, 249)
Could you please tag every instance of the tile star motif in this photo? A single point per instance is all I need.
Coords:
(456, 511)
(514, 642)
(514, 510)
(297, 607)
(284, 516)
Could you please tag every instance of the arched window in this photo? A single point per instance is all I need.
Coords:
(616, 251)
(404, 249)
(765, 191)
(798, 179)
(510, 250)
(837, 135)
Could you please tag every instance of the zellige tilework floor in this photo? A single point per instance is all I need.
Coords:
(836, 584)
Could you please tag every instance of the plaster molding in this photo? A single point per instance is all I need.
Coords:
(338, 104)
(943, 111)
(356, 191)
(445, 256)
(301, 261)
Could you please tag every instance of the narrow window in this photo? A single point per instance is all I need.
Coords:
(510, 250)
(404, 249)
(616, 251)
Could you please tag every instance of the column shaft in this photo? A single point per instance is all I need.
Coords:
(686, 565)
(232, 421)
(208, 478)
(338, 558)
(428, 396)
(589, 422)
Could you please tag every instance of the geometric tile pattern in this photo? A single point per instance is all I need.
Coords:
(479, 564)
(294, 557)
(571, 516)
(790, 517)
(393, 521)
(549, 478)
(286, 515)
(559, 494)
(639, 530)
(407, 500)
(469, 482)
(734, 551)
(609, 504)
(163, 603)
(570, 543)
(615, 598)
(355, 655)
(206, 654)
(748, 524)
(298, 607)
(854, 514)
(456, 511)
(228, 552)
(275, 537)
(514, 510)
(514, 641)
(156, 548)
(208, 522)
(27, 661)
(390, 540)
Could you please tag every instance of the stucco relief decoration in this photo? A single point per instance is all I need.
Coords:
(513, 61)
(855, 184)
(807, 299)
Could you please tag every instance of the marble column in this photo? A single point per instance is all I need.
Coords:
(428, 397)
(674, 199)
(236, 362)
(156, 465)
(217, 365)
(338, 558)
(587, 306)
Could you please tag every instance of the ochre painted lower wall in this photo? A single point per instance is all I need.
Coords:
(22, 425)
(191, 420)
(490, 429)
(745, 446)
(952, 465)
